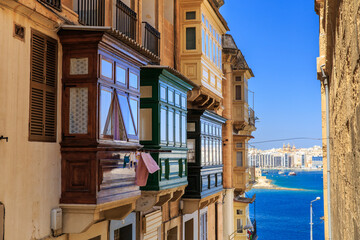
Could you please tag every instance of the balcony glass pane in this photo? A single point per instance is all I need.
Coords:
(183, 102)
(214, 153)
(125, 112)
(190, 38)
(177, 127)
(183, 129)
(190, 15)
(238, 92)
(163, 125)
(239, 159)
(191, 151)
(210, 162)
(133, 80)
(206, 151)
(203, 40)
(105, 113)
(106, 69)
(177, 99)
(134, 110)
(202, 151)
(171, 96)
(163, 93)
(120, 75)
(171, 126)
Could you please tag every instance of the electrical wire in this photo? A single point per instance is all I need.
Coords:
(288, 139)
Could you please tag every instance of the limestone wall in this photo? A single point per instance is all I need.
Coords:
(341, 50)
(29, 171)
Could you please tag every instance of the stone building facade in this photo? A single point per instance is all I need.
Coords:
(339, 64)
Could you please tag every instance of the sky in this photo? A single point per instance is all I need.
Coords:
(279, 39)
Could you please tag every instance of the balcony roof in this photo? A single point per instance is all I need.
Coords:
(118, 35)
(174, 72)
(216, 10)
(230, 47)
(245, 200)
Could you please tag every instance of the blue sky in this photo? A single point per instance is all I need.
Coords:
(279, 40)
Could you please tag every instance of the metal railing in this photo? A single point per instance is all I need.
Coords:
(91, 12)
(251, 117)
(151, 38)
(53, 3)
(126, 19)
(253, 221)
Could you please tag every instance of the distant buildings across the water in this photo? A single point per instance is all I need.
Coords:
(286, 157)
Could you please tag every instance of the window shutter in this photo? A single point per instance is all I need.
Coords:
(43, 81)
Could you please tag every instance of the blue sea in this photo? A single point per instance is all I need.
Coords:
(284, 214)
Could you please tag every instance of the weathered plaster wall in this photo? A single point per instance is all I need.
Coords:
(30, 171)
(342, 58)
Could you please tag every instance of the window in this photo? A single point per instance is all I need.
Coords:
(189, 229)
(171, 126)
(190, 38)
(43, 88)
(239, 212)
(239, 145)
(238, 92)
(239, 159)
(127, 114)
(106, 68)
(203, 40)
(207, 45)
(238, 79)
(105, 111)
(124, 233)
(177, 128)
(120, 75)
(190, 15)
(203, 226)
(191, 150)
(118, 115)
(163, 124)
(239, 226)
(133, 80)
(183, 129)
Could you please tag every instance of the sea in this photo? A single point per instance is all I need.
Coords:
(285, 214)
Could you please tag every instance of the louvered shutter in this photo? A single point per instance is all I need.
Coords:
(43, 81)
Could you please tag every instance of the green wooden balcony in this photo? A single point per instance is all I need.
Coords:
(163, 123)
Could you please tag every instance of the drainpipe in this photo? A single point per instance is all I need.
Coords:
(326, 85)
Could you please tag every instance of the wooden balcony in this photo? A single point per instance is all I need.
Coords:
(205, 169)
(163, 111)
(151, 38)
(100, 111)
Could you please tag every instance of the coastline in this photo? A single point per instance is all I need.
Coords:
(264, 183)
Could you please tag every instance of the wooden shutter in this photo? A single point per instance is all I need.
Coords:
(43, 81)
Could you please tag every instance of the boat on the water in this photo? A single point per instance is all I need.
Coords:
(280, 172)
(292, 174)
(265, 171)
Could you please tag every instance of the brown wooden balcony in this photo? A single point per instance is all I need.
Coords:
(126, 19)
(53, 3)
(151, 38)
(91, 12)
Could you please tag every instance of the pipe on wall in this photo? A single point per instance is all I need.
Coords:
(326, 85)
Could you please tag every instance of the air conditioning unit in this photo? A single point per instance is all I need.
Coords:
(56, 219)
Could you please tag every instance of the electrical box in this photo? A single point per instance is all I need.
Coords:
(56, 219)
